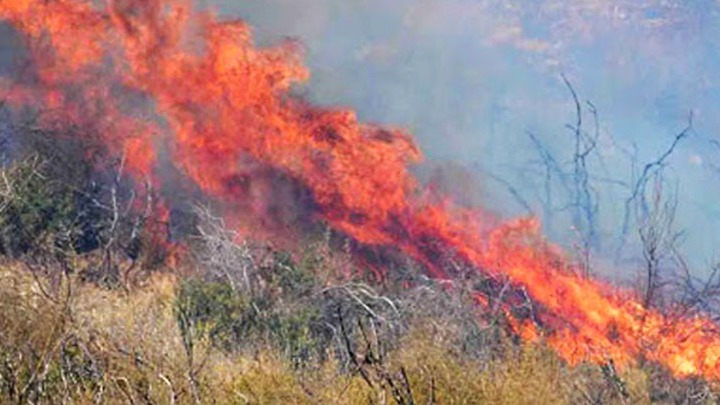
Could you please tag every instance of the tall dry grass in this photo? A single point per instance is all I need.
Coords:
(66, 342)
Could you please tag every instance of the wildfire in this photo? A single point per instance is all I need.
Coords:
(150, 72)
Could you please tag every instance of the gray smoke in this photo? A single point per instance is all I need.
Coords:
(471, 78)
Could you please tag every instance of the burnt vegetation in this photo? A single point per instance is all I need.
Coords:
(101, 303)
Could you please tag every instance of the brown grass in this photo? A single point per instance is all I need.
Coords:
(75, 343)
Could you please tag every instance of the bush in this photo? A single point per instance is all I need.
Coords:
(277, 313)
(213, 309)
(63, 197)
(36, 212)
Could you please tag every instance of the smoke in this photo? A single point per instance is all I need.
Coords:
(471, 78)
(10, 51)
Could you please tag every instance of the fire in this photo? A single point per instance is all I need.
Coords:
(148, 72)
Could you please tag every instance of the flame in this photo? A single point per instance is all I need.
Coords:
(218, 100)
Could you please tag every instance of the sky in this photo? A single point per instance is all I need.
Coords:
(472, 78)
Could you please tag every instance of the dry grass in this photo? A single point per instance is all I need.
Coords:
(73, 343)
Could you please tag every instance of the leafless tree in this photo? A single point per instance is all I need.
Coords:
(224, 254)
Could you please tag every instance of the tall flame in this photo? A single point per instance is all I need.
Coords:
(141, 72)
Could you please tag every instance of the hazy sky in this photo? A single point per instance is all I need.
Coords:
(470, 78)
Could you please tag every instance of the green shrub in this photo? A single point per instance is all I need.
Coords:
(235, 320)
(35, 211)
(213, 309)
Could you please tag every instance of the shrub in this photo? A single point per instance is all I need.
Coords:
(213, 309)
(278, 313)
(35, 212)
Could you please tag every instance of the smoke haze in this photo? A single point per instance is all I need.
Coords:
(472, 78)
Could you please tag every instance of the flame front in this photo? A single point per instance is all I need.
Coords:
(141, 72)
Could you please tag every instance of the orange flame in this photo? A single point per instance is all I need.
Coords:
(218, 100)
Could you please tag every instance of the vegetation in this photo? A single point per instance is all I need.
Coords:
(176, 341)
(93, 309)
